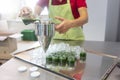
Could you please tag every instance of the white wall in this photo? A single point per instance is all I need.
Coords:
(18, 26)
(95, 28)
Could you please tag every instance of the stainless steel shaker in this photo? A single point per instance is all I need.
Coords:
(44, 31)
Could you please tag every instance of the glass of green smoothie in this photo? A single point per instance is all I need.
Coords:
(63, 61)
(49, 59)
(55, 60)
(71, 61)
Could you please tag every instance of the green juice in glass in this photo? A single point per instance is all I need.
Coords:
(55, 60)
(71, 61)
(63, 61)
(49, 59)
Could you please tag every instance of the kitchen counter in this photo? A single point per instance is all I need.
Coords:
(102, 47)
(97, 60)
(9, 71)
(100, 57)
(93, 69)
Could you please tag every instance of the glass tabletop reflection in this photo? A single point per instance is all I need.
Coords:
(92, 68)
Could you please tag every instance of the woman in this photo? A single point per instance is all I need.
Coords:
(68, 15)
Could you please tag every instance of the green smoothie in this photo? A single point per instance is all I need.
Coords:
(71, 61)
(49, 59)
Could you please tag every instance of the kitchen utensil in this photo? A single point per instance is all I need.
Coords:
(44, 32)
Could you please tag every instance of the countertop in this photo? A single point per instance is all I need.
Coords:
(103, 47)
(100, 56)
(9, 71)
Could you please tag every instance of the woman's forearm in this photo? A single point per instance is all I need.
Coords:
(83, 19)
(37, 10)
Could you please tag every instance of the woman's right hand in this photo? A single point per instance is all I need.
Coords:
(26, 12)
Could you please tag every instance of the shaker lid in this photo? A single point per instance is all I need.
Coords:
(35, 74)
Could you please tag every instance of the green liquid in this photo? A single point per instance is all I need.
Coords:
(49, 59)
(55, 60)
(28, 21)
(71, 61)
(83, 56)
(63, 61)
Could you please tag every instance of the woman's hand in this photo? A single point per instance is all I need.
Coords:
(64, 26)
(26, 12)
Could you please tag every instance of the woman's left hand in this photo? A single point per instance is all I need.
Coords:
(64, 26)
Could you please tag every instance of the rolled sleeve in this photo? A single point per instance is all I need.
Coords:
(81, 3)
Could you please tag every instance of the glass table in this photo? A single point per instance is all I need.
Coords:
(93, 68)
